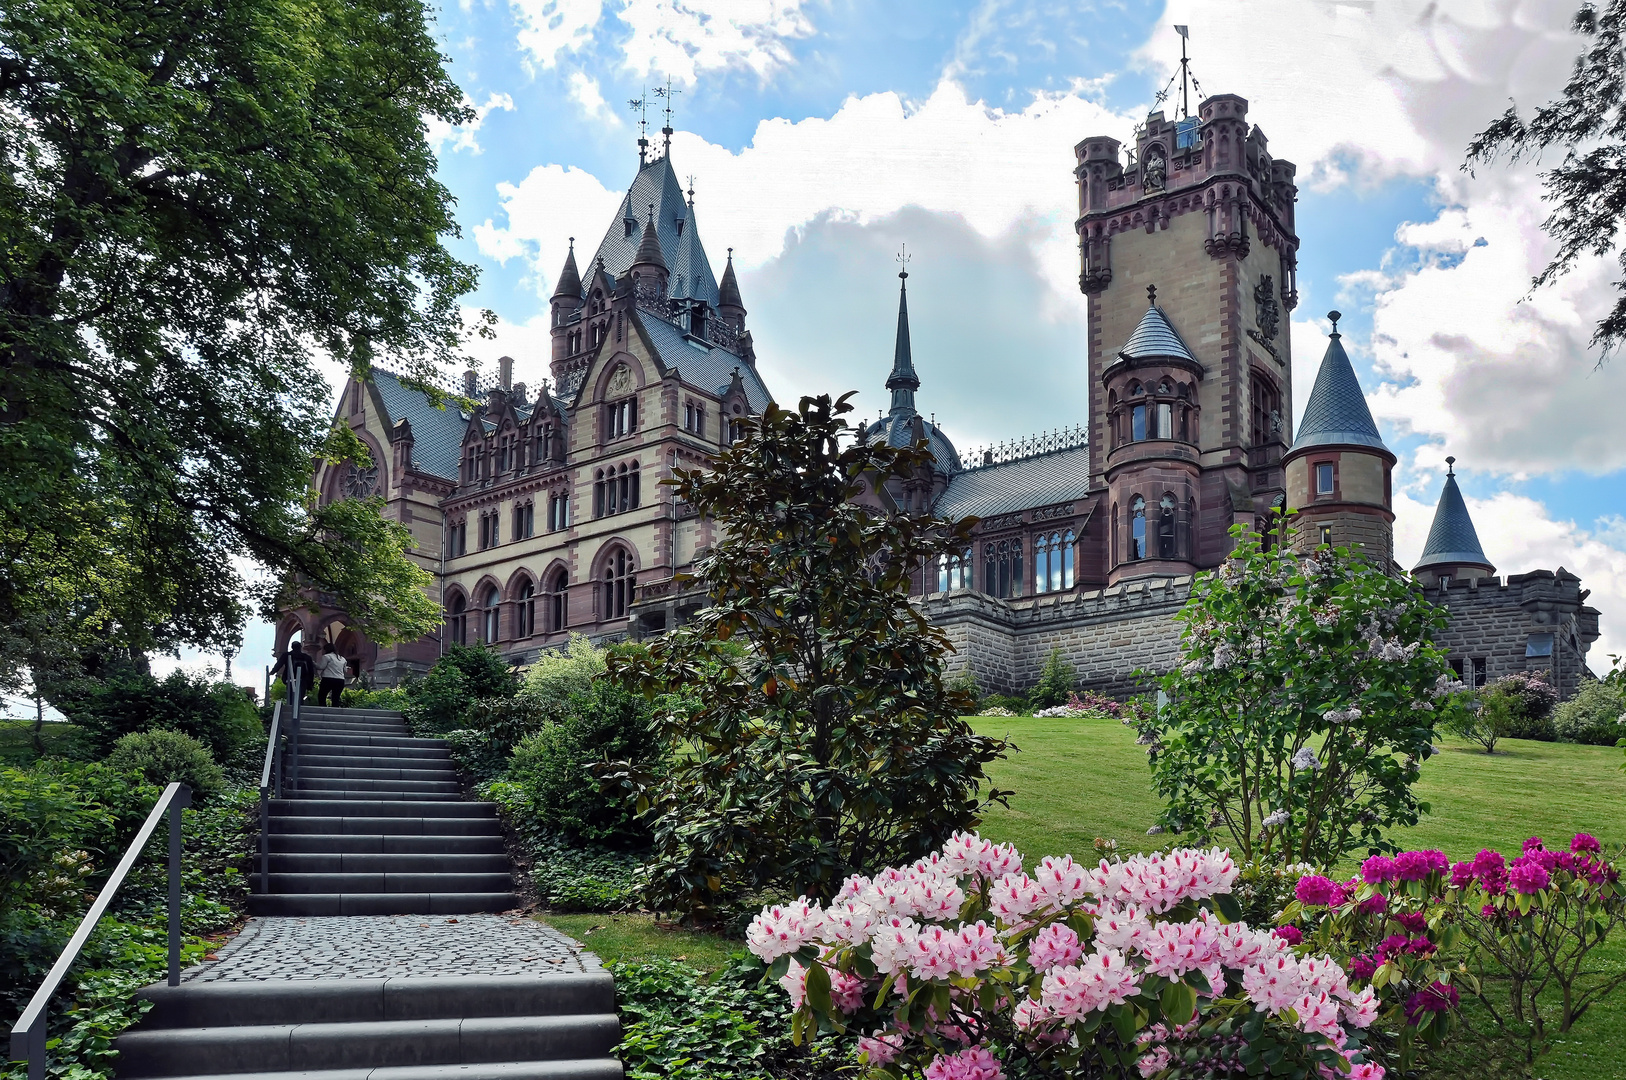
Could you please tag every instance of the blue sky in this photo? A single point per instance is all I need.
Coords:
(825, 133)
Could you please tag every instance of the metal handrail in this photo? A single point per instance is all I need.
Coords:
(270, 788)
(295, 692)
(28, 1034)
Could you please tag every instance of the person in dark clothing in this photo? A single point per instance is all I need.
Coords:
(331, 670)
(296, 659)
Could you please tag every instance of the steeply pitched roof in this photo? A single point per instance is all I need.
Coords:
(728, 293)
(649, 248)
(1155, 337)
(570, 279)
(1452, 538)
(683, 254)
(1043, 480)
(706, 367)
(1337, 414)
(437, 434)
(903, 360)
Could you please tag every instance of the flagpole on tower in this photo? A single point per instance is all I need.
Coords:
(1185, 100)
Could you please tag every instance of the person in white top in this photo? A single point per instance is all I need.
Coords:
(331, 668)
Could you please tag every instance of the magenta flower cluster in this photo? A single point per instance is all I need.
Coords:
(1532, 870)
(1436, 997)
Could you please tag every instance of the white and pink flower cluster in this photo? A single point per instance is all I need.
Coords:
(971, 909)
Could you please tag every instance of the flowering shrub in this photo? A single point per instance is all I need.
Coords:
(964, 964)
(1302, 707)
(1532, 918)
(1089, 703)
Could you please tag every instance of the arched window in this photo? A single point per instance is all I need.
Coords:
(1041, 563)
(1067, 542)
(954, 572)
(493, 615)
(1137, 423)
(457, 620)
(619, 583)
(557, 610)
(598, 493)
(525, 611)
(1137, 528)
(1002, 567)
(1166, 527)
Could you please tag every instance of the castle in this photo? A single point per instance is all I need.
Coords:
(539, 517)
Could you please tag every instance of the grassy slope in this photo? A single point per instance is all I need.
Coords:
(1079, 779)
(17, 741)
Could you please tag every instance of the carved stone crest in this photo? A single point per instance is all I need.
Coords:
(620, 380)
(1268, 313)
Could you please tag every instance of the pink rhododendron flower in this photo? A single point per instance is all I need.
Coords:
(1367, 1070)
(1054, 946)
(849, 922)
(1586, 842)
(855, 886)
(1436, 997)
(1362, 1008)
(783, 929)
(1320, 1013)
(1376, 904)
(1123, 928)
(1462, 874)
(1062, 880)
(1414, 921)
(1314, 890)
(1534, 844)
(846, 991)
(1155, 1062)
(1362, 967)
(1417, 865)
(934, 953)
(880, 1048)
(891, 944)
(972, 1063)
(1528, 877)
(1013, 896)
(979, 947)
(1379, 870)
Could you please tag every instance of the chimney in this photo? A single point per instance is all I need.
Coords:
(519, 393)
(505, 372)
(469, 383)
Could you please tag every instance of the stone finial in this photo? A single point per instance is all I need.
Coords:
(1335, 316)
(1151, 296)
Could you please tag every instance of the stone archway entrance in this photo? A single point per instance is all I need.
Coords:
(352, 644)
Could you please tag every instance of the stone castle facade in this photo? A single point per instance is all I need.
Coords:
(542, 516)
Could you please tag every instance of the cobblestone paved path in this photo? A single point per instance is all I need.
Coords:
(391, 946)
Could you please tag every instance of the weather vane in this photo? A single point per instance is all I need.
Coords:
(668, 94)
(903, 260)
(691, 192)
(640, 105)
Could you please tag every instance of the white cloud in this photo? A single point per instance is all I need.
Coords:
(544, 210)
(462, 136)
(584, 91)
(1519, 534)
(680, 39)
(550, 27)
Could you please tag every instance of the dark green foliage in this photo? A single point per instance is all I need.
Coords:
(1303, 704)
(493, 727)
(444, 700)
(198, 200)
(679, 1025)
(1017, 706)
(830, 745)
(395, 699)
(1593, 716)
(60, 806)
(574, 877)
(559, 766)
(166, 757)
(1056, 682)
(1588, 123)
(217, 714)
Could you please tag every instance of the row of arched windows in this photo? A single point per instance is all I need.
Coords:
(615, 489)
(533, 444)
(544, 612)
(1160, 532)
(1054, 560)
(1147, 411)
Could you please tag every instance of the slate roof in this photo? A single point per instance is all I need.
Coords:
(685, 257)
(1042, 480)
(903, 360)
(1155, 336)
(570, 279)
(1337, 414)
(897, 429)
(437, 434)
(1452, 538)
(708, 367)
(728, 292)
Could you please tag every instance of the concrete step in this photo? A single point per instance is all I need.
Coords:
(324, 760)
(365, 1044)
(419, 750)
(321, 792)
(329, 727)
(362, 714)
(386, 826)
(351, 785)
(379, 806)
(309, 741)
(439, 862)
(217, 1004)
(582, 1069)
(384, 843)
(378, 881)
(307, 905)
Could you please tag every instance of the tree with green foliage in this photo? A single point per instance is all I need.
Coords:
(829, 744)
(1588, 123)
(1056, 683)
(1307, 695)
(465, 676)
(217, 714)
(199, 199)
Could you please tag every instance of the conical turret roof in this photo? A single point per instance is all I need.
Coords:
(649, 248)
(1337, 414)
(1452, 539)
(570, 279)
(1155, 337)
(728, 291)
(903, 375)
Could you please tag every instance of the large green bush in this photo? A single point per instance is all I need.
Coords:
(559, 767)
(220, 715)
(555, 676)
(65, 806)
(1593, 715)
(1056, 683)
(165, 757)
(443, 700)
(493, 727)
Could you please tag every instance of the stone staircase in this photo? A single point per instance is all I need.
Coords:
(549, 1027)
(378, 826)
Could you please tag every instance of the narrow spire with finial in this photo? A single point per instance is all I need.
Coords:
(666, 92)
(1334, 316)
(1450, 466)
(1151, 296)
(691, 194)
(641, 106)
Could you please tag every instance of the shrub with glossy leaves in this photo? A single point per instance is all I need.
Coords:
(167, 757)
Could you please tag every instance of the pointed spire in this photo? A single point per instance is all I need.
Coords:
(728, 291)
(903, 382)
(649, 248)
(1452, 539)
(1337, 414)
(570, 279)
(1155, 336)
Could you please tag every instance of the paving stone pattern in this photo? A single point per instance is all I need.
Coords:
(391, 946)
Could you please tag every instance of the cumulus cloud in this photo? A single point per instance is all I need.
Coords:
(548, 28)
(584, 91)
(444, 137)
(552, 204)
(679, 39)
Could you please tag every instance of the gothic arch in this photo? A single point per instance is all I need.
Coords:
(332, 489)
(516, 580)
(601, 382)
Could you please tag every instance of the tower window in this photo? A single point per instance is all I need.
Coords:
(556, 602)
(1137, 423)
(621, 418)
(619, 584)
(1053, 562)
(1165, 421)
(492, 615)
(1323, 479)
(558, 511)
(1137, 528)
(457, 626)
(1166, 528)
(1002, 568)
(524, 520)
(1326, 535)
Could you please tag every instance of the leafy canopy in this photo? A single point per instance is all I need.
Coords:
(1303, 703)
(197, 199)
(814, 737)
(1587, 188)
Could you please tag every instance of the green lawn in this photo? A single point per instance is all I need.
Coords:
(17, 741)
(1079, 779)
(637, 937)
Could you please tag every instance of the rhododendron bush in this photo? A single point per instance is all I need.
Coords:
(1417, 926)
(963, 964)
(1306, 697)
